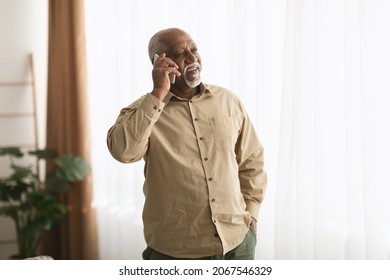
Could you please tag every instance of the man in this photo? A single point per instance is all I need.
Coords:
(204, 177)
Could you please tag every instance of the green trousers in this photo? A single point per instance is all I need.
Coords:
(244, 251)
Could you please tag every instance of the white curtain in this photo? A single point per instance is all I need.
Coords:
(314, 77)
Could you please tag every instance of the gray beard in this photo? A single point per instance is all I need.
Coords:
(197, 81)
(194, 83)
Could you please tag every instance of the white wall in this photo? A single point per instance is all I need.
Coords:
(23, 30)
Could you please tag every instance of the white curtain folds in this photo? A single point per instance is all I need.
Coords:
(314, 77)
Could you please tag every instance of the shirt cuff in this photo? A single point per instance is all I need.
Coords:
(252, 208)
(152, 106)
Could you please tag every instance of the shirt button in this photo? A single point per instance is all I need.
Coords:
(196, 119)
(205, 159)
(201, 138)
(210, 179)
(215, 221)
(190, 101)
(216, 235)
(155, 107)
(212, 200)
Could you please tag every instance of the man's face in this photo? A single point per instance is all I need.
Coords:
(183, 51)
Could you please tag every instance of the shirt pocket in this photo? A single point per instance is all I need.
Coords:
(225, 131)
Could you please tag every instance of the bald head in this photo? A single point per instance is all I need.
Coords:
(159, 43)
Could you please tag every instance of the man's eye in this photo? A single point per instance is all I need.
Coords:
(178, 54)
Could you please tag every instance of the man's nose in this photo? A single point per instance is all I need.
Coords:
(191, 58)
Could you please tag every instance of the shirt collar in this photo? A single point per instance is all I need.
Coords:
(168, 97)
(203, 90)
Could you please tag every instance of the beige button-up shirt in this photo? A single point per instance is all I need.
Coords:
(204, 174)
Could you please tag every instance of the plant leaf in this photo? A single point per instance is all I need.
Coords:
(10, 211)
(21, 172)
(12, 151)
(72, 168)
(43, 153)
(56, 184)
(13, 190)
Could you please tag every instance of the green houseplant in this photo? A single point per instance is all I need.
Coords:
(28, 199)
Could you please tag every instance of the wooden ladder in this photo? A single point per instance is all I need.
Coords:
(33, 113)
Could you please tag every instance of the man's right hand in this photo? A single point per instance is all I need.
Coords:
(163, 66)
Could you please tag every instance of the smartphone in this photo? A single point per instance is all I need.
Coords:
(172, 77)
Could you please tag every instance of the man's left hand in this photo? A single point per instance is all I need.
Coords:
(253, 225)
